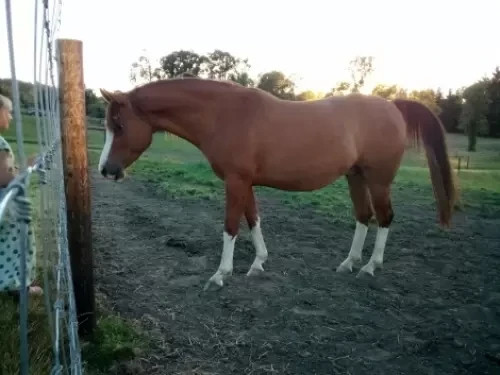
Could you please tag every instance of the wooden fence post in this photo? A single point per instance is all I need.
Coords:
(76, 179)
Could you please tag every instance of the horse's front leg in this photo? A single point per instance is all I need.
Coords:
(236, 199)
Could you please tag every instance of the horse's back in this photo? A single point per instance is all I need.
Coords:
(353, 121)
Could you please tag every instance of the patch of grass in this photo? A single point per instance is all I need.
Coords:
(114, 340)
(95, 139)
(194, 180)
(29, 130)
(38, 337)
(487, 156)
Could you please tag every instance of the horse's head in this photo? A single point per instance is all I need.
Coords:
(127, 135)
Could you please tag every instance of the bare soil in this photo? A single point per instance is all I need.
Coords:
(433, 309)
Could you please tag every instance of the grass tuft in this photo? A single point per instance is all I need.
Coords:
(114, 340)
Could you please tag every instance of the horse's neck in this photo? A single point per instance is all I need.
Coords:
(178, 111)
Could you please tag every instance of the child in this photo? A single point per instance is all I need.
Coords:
(10, 228)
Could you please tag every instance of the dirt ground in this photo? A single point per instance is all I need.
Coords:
(433, 309)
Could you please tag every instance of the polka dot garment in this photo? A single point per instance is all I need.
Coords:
(10, 247)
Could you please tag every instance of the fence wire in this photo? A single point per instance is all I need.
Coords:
(52, 243)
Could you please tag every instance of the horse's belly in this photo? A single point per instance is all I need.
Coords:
(306, 160)
(302, 177)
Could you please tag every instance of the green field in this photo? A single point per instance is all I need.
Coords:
(175, 167)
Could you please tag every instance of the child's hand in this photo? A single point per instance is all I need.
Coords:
(31, 160)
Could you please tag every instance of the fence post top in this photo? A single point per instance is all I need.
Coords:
(68, 40)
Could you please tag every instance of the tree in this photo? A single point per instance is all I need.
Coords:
(493, 113)
(307, 95)
(95, 107)
(451, 108)
(427, 97)
(389, 92)
(278, 84)
(360, 67)
(242, 79)
(343, 88)
(182, 61)
(473, 117)
(222, 65)
(26, 99)
(6, 88)
(142, 71)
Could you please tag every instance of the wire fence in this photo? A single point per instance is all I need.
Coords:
(52, 242)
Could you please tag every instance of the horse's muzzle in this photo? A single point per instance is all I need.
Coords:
(112, 171)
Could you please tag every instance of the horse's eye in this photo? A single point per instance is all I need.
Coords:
(118, 128)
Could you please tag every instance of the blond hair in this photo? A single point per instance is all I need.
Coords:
(5, 103)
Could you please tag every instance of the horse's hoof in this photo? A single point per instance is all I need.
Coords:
(217, 281)
(368, 269)
(346, 265)
(255, 270)
(344, 268)
(212, 286)
(362, 273)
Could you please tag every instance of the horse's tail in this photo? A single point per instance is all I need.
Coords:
(423, 124)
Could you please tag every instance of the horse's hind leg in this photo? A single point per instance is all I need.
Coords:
(360, 197)
(380, 193)
(253, 220)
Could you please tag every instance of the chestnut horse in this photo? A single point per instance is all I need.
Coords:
(251, 138)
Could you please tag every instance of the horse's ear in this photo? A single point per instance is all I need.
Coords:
(116, 96)
(106, 95)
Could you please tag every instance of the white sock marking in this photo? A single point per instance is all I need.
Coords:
(377, 258)
(106, 149)
(260, 249)
(226, 261)
(355, 253)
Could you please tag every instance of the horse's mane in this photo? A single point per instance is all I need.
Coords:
(184, 79)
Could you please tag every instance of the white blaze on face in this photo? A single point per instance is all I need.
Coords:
(106, 149)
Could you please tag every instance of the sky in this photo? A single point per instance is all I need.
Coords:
(417, 45)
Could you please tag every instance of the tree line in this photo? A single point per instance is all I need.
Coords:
(473, 110)
(95, 106)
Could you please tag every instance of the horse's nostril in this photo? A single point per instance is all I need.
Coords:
(104, 172)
